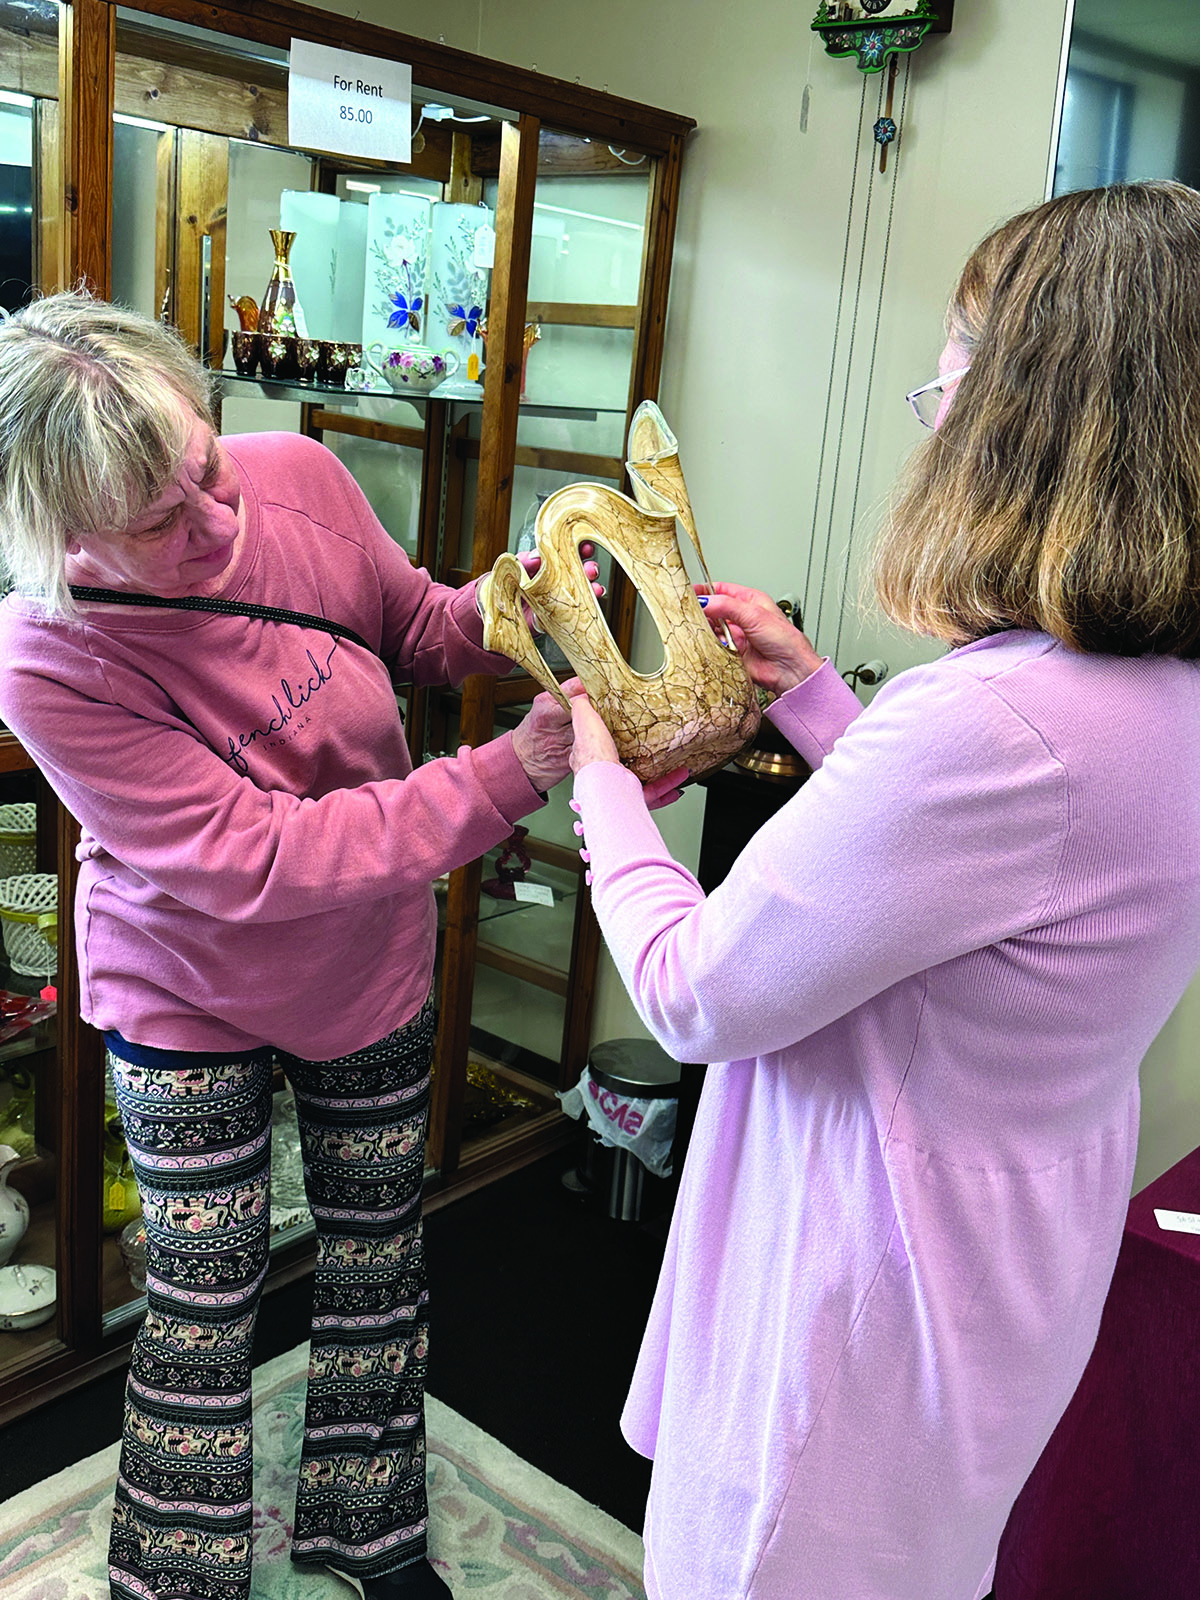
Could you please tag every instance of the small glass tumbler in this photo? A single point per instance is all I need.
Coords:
(281, 356)
(308, 355)
(247, 353)
(333, 359)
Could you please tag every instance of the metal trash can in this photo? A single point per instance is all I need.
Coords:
(634, 1069)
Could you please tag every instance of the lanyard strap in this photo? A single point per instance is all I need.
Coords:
(226, 608)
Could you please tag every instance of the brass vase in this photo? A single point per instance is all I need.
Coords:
(280, 311)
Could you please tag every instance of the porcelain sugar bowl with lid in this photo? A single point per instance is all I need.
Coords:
(410, 368)
(27, 1295)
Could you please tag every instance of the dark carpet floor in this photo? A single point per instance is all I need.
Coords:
(539, 1302)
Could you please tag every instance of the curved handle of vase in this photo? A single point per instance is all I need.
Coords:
(504, 627)
(369, 352)
(452, 362)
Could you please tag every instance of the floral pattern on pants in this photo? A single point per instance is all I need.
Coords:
(198, 1129)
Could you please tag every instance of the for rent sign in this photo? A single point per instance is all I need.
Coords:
(349, 104)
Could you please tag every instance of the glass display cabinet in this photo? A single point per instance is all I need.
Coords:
(526, 245)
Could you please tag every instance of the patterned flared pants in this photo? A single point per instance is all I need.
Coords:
(198, 1129)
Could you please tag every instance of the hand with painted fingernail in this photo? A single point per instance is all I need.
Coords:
(531, 561)
(664, 791)
(774, 652)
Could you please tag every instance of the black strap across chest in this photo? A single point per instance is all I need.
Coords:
(226, 608)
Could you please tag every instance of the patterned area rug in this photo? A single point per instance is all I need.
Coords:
(499, 1529)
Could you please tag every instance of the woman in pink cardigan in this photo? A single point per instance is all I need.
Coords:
(929, 981)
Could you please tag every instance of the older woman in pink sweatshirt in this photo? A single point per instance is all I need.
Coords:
(931, 978)
(257, 860)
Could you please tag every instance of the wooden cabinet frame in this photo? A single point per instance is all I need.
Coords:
(169, 79)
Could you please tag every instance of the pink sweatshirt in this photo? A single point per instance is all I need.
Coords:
(931, 978)
(257, 851)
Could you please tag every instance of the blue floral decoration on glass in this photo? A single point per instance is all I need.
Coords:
(464, 321)
(407, 313)
(884, 131)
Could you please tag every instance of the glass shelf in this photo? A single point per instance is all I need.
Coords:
(40, 1036)
(489, 906)
(234, 384)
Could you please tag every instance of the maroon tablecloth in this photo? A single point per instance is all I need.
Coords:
(1112, 1509)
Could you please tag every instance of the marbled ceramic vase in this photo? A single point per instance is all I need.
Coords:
(699, 709)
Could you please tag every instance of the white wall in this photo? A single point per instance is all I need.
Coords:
(453, 22)
(763, 227)
(762, 232)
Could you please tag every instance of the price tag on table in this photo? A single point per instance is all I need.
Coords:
(539, 894)
(349, 104)
(1177, 1221)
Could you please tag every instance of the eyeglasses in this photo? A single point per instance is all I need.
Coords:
(927, 400)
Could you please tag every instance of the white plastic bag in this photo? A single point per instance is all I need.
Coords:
(646, 1128)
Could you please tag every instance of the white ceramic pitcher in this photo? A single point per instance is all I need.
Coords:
(14, 1209)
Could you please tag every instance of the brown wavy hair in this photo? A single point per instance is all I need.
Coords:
(1062, 491)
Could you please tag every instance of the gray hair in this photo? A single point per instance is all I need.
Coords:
(96, 406)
